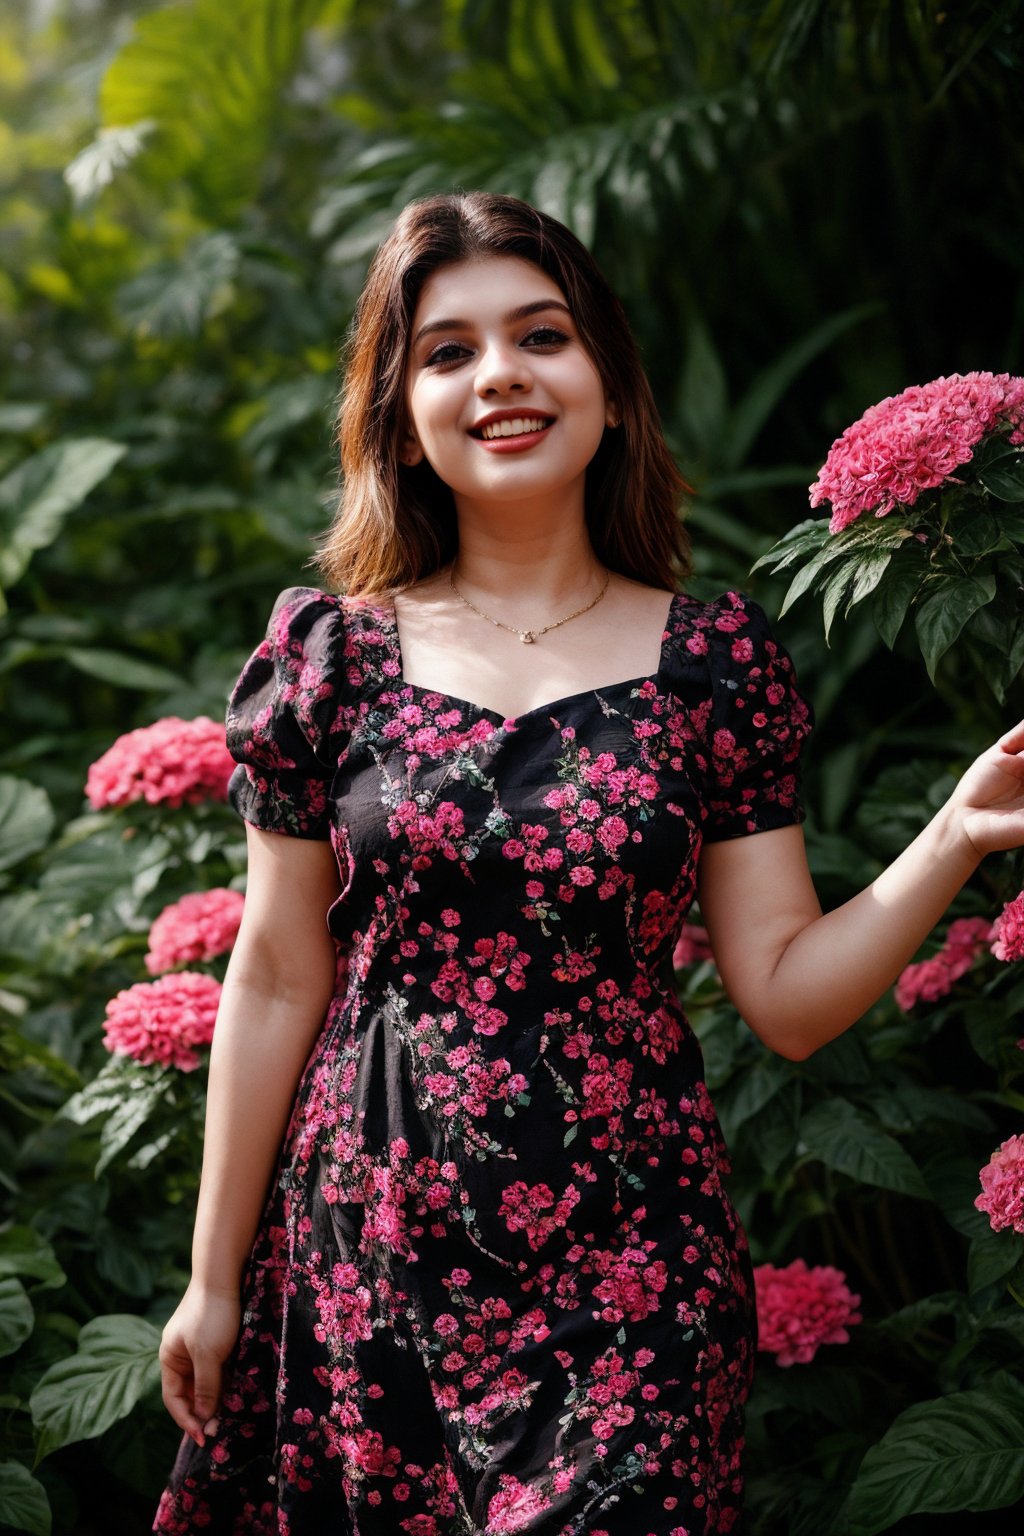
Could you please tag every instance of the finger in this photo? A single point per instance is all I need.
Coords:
(1013, 740)
(207, 1388)
(176, 1389)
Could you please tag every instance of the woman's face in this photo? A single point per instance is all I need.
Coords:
(502, 397)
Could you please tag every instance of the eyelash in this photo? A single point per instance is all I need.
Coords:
(437, 359)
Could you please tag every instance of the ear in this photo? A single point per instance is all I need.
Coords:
(612, 415)
(410, 451)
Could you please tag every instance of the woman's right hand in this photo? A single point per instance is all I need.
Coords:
(197, 1339)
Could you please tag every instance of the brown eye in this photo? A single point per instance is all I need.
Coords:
(447, 352)
(546, 336)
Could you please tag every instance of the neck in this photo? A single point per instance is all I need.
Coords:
(524, 560)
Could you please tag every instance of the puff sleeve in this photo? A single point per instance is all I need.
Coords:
(757, 726)
(282, 717)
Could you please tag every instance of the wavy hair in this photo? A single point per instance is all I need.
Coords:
(396, 524)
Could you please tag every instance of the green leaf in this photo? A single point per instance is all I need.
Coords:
(24, 1252)
(132, 1112)
(942, 616)
(835, 590)
(991, 1257)
(175, 299)
(870, 571)
(956, 1453)
(838, 1135)
(36, 497)
(974, 533)
(209, 78)
(16, 1316)
(26, 819)
(892, 599)
(805, 537)
(78, 1398)
(23, 1502)
(1004, 477)
(703, 402)
(123, 671)
(19, 416)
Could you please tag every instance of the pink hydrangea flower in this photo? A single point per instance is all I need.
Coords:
(171, 762)
(912, 442)
(1002, 1183)
(198, 927)
(161, 1022)
(1008, 931)
(799, 1309)
(692, 946)
(925, 981)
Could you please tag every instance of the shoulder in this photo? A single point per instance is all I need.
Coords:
(733, 623)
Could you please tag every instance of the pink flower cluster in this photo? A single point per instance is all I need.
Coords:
(927, 980)
(799, 1309)
(161, 1022)
(692, 946)
(1002, 1183)
(172, 762)
(914, 441)
(1007, 933)
(198, 927)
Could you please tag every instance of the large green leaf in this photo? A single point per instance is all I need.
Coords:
(26, 819)
(208, 76)
(36, 497)
(954, 1454)
(16, 1315)
(115, 1365)
(1004, 477)
(123, 671)
(838, 1135)
(23, 1502)
(942, 615)
(24, 1252)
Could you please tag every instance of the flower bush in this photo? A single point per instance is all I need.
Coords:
(1002, 1182)
(941, 468)
(801, 1308)
(914, 442)
(201, 926)
(692, 947)
(928, 980)
(1008, 931)
(172, 762)
(160, 1023)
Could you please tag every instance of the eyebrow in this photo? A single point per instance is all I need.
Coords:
(522, 313)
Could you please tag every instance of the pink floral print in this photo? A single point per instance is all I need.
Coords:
(498, 1284)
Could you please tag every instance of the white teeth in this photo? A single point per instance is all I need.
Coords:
(513, 428)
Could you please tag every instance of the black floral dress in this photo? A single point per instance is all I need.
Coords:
(498, 1285)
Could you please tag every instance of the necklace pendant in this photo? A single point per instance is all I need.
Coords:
(527, 637)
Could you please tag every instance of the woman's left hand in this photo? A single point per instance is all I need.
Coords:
(989, 800)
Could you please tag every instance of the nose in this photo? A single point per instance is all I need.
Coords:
(502, 369)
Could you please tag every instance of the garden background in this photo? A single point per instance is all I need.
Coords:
(806, 207)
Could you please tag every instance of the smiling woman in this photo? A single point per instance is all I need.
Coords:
(396, 521)
(465, 1261)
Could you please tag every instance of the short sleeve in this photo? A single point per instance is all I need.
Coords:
(758, 723)
(280, 714)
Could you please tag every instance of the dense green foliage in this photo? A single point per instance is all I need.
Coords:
(806, 207)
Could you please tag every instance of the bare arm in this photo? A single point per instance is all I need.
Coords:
(276, 992)
(800, 978)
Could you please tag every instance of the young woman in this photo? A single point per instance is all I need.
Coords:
(491, 1281)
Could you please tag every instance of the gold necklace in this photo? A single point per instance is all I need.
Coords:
(527, 636)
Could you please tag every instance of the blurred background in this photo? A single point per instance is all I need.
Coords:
(805, 206)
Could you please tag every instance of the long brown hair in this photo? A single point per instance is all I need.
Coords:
(396, 524)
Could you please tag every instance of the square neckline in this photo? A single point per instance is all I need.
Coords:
(391, 618)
